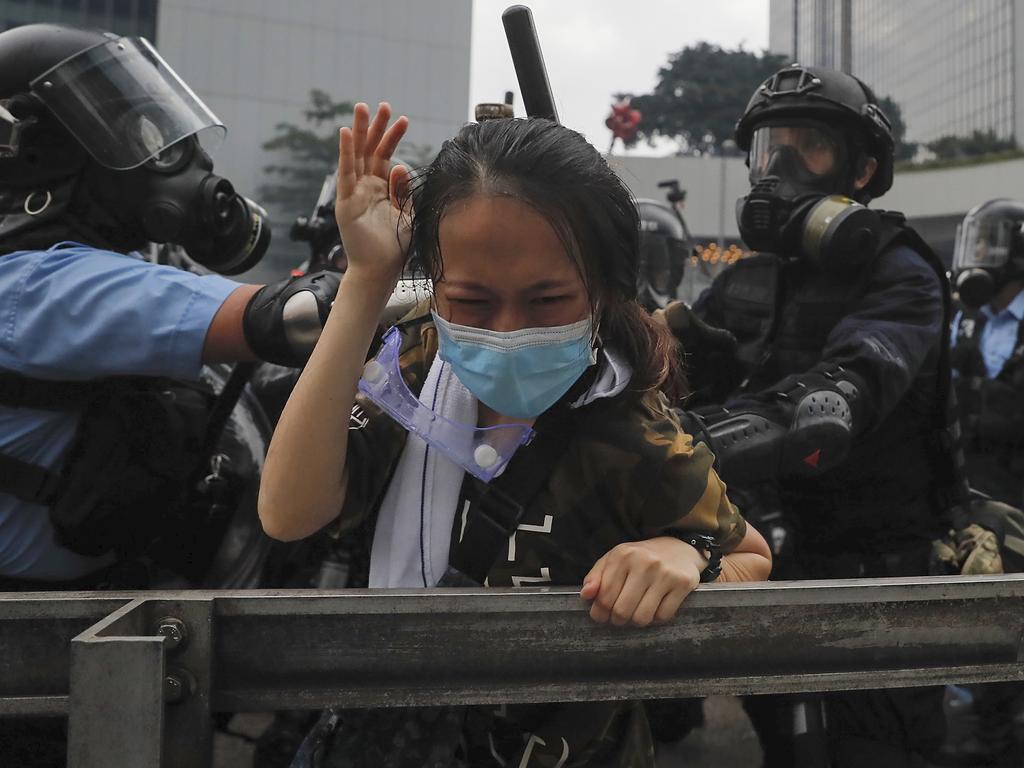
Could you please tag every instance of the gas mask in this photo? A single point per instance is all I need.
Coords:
(989, 251)
(176, 198)
(793, 207)
(141, 124)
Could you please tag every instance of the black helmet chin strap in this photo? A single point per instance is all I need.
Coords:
(37, 219)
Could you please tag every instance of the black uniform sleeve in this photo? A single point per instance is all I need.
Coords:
(891, 335)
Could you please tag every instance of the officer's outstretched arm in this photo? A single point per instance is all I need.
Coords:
(806, 423)
(802, 426)
(283, 320)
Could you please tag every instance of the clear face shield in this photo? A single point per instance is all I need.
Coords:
(124, 103)
(797, 153)
(662, 260)
(984, 242)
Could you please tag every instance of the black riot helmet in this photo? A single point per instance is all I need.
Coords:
(99, 141)
(797, 94)
(989, 250)
(809, 133)
(664, 249)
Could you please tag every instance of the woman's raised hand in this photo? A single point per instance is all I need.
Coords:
(373, 226)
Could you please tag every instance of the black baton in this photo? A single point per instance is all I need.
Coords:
(529, 62)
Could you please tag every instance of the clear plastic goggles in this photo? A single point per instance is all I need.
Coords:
(123, 102)
(818, 148)
(481, 451)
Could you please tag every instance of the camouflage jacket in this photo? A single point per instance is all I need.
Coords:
(627, 472)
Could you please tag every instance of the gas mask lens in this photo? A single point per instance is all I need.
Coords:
(798, 151)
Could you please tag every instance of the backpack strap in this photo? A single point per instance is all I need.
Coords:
(502, 502)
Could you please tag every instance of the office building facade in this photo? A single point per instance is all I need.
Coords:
(949, 64)
(255, 63)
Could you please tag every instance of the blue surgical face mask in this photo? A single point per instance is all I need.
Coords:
(517, 373)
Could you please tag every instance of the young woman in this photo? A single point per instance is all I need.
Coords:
(531, 242)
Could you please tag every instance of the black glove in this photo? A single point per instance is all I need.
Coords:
(283, 320)
(695, 335)
(803, 426)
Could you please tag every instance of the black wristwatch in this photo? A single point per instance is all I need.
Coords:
(706, 544)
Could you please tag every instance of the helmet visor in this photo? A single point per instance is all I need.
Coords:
(123, 102)
(816, 150)
(984, 242)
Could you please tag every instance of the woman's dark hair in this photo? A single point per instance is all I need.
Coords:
(554, 170)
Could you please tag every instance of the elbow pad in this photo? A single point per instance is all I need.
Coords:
(283, 321)
(802, 428)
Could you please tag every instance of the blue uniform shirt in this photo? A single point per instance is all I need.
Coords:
(78, 313)
(999, 336)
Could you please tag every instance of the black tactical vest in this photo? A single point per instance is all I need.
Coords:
(890, 493)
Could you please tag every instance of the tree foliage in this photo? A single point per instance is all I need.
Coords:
(905, 150)
(977, 144)
(309, 152)
(701, 93)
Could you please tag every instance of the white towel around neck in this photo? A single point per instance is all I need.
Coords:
(414, 525)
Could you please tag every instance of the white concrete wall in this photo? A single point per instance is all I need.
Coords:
(701, 177)
(919, 194)
(954, 190)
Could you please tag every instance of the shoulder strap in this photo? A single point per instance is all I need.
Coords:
(19, 391)
(502, 503)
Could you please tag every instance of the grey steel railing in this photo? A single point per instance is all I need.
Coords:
(140, 674)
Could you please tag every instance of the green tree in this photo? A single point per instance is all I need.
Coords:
(701, 93)
(309, 152)
(905, 150)
(977, 144)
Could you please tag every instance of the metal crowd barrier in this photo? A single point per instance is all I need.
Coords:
(140, 674)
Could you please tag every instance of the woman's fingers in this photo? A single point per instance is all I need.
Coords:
(612, 580)
(638, 583)
(389, 143)
(398, 186)
(670, 604)
(360, 125)
(592, 581)
(346, 165)
(377, 128)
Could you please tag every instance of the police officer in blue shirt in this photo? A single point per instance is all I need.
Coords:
(100, 155)
(988, 343)
(988, 364)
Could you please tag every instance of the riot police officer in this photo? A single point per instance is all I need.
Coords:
(664, 249)
(831, 404)
(988, 365)
(104, 424)
(99, 155)
(988, 358)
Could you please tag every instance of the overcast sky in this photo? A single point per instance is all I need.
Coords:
(594, 48)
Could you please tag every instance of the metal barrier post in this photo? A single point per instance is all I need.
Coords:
(117, 694)
(187, 628)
